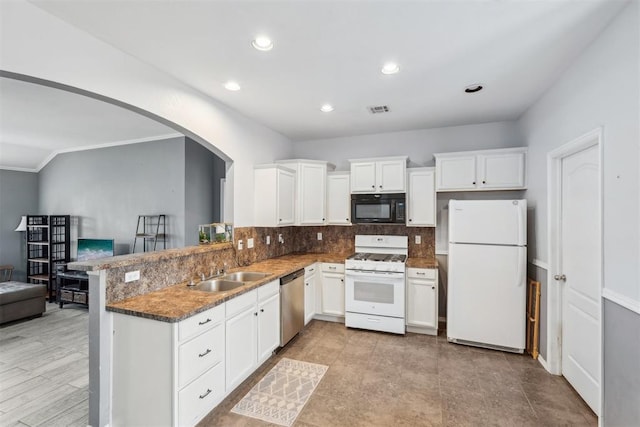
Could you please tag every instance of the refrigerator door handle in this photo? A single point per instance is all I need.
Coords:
(521, 251)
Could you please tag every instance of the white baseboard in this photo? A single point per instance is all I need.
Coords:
(543, 363)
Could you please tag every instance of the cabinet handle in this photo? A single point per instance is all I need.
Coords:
(332, 268)
(420, 273)
(202, 396)
(205, 322)
(205, 353)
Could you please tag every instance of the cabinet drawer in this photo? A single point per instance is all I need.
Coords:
(200, 322)
(201, 396)
(332, 267)
(240, 303)
(271, 288)
(200, 354)
(310, 270)
(421, 273)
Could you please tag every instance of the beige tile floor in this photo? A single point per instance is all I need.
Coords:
(377, 379)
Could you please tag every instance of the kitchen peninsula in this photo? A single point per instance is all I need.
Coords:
(161, 294)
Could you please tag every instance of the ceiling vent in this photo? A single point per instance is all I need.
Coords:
(378, 109)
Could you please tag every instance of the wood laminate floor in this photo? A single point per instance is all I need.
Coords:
(44, 369)
(378, 379)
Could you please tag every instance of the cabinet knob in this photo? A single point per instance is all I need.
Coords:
(255, 314)
(323, 219)
(474, 183)
(484, 182)
(262, 310)
(381, 186)
(373, 186)
(281, 218)
(410, 220)
(347, 219)
(433, 287)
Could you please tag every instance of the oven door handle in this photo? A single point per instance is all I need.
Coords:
(360, 273)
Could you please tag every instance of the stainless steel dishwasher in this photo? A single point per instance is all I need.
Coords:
(291, 306)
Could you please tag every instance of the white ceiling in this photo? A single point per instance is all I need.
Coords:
(36, 122)
(332, 51)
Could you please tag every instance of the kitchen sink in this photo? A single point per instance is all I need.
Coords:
(245, 276)
(217, 285)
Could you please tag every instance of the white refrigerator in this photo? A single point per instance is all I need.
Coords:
(486, 295)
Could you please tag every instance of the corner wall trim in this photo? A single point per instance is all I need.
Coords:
(540, 264)
(622, 300)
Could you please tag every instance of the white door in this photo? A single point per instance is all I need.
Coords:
(421, 198)
(333, 294)
(421, 303)
(581, 265)
(363, 177)
(501, 170)
(456, 173)
(241, 347)
(285, 197)
(268, 327)
(338, 199)
(309, 297)
(312, 193)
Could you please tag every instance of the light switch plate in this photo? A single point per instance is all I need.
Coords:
(319, 236)
(240, 245)
(250, 243)
(268, 240)
(131, 276)
(418, 240)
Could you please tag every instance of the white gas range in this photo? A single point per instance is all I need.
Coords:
(375, 283)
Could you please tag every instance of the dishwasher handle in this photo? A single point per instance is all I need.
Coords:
(291, 277)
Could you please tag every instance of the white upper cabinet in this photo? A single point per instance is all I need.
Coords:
(338, 198)
(421, 197)
(501, 169)
(379, 175)
(310, 190)
(274, 187)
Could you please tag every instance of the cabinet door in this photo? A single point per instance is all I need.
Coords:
(456, 173)
(312, 194)
(338, 200)
(422, 303)
(309, 297)
(268, 327)
(501, 171)
(285, 197)
(241, 346)
(333, 294)
(421, 198)
(390, 176)
(363, 177)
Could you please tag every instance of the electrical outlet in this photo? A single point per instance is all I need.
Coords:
(131, 276)
(250, 243)
(239, 245)
(319, 236)
(280, 238)
(268, 240)
(418, 240)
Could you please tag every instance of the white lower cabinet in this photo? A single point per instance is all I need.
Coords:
(310, 293)
(333, 289)
(422, 300)
(252, 331)
(167, 373)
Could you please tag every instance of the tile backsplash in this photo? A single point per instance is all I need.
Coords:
(335, 239)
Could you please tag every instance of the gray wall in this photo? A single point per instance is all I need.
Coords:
(203, 171)
(419, 145)
(621, 366)
(107, 188)
(18, 196)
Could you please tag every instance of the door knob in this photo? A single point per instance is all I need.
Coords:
(560, 277)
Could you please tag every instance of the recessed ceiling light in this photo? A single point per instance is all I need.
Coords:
(232, 86)
(262, 43)
(473, 88)
(390, 68)
(326, 108)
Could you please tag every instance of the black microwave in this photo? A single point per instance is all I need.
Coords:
(378, 208)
